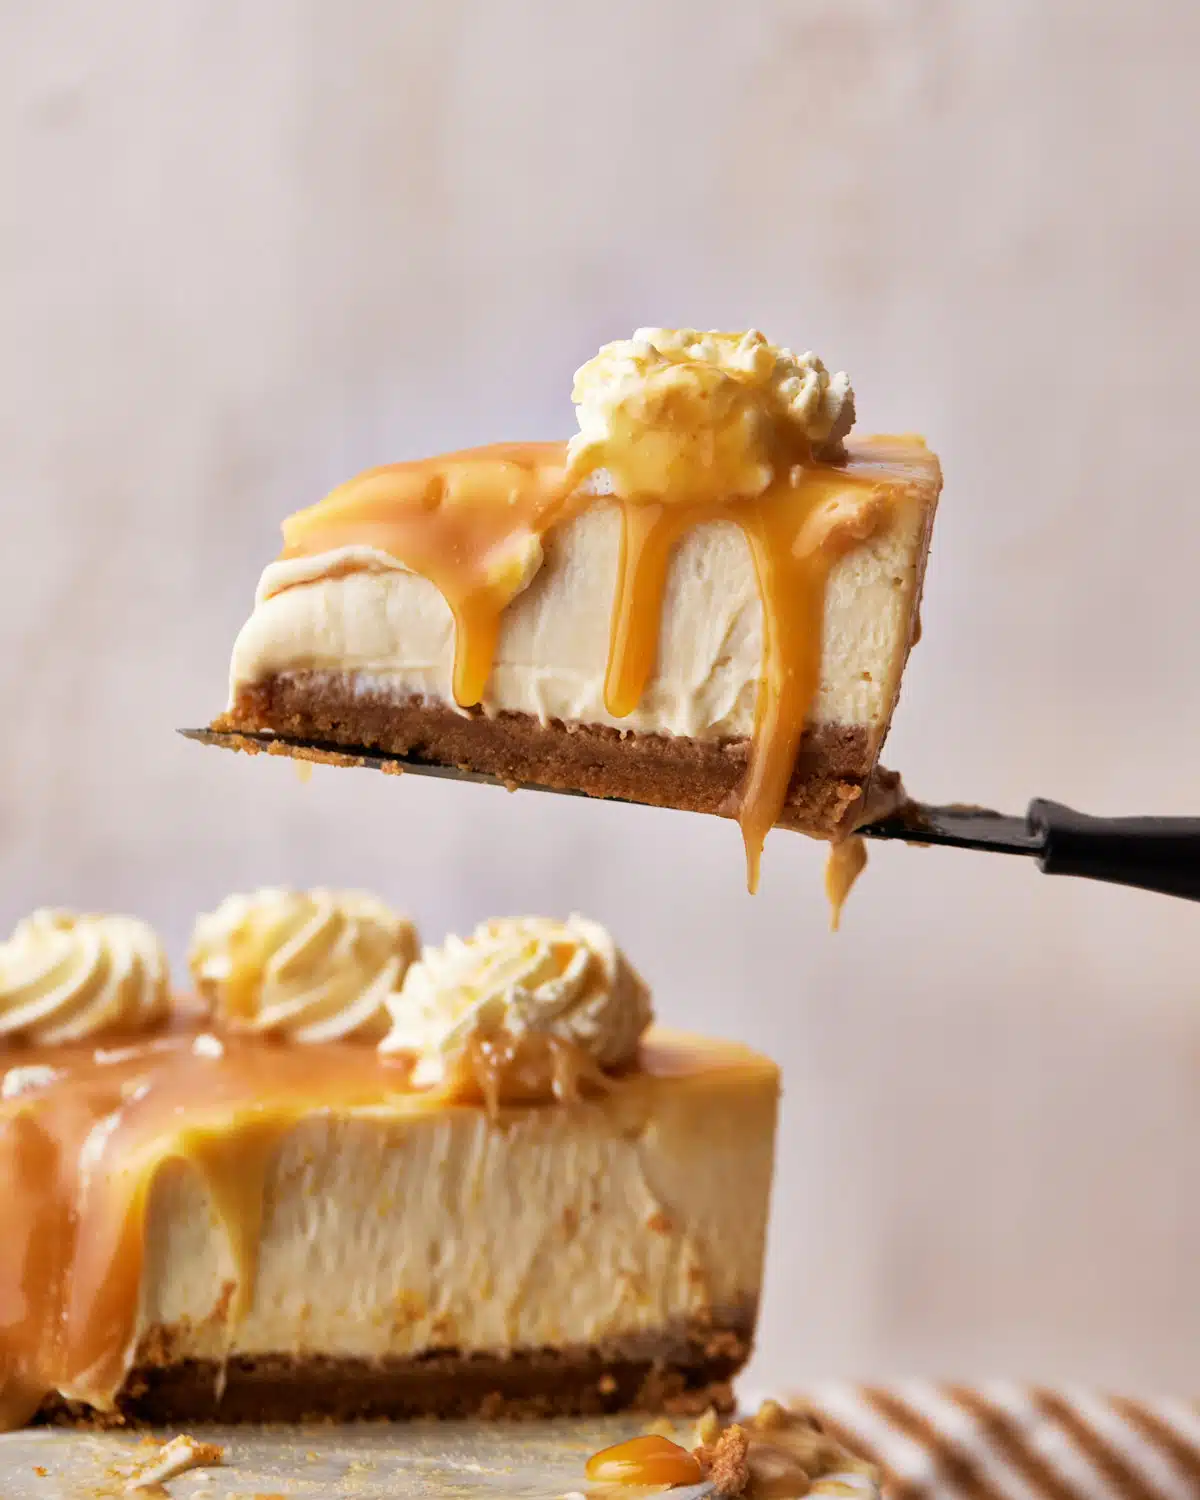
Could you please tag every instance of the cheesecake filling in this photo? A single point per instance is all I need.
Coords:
(269, 1192)
(679, 431)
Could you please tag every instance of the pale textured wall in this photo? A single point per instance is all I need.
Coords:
(246, 249)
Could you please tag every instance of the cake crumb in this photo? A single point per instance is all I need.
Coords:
(725, 1461)
(708, 1429)
(770, 1416)
(175, 1458)
(660, 1427)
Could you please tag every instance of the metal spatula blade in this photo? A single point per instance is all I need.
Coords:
(1156, 854)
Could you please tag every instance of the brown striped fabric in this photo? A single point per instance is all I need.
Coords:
(1003, 1441)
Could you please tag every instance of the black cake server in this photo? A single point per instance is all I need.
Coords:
(1153, 854)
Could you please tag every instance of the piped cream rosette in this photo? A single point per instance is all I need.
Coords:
(66, 978)
(522, 1005)
(306, 966)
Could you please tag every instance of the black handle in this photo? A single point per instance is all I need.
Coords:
(1154, 854)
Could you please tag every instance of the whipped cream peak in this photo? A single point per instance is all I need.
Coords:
(521, 976)
(311, 966)
(680, 412)
(66, 977)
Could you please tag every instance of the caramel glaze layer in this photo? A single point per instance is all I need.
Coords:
(81, 1143)
(473, 522)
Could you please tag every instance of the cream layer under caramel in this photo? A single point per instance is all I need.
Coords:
(195, 1198)
(731, 621)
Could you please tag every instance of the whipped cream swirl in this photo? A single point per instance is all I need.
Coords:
(311, 966)
(679, 411)
(69, 978)
(521, 975)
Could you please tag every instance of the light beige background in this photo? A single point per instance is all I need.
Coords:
(249, 248)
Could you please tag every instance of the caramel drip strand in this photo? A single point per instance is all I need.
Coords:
(502, 1069)
(80, 1150)
(847, 860)
(471, 523)
(797, 530)
(651, 1459)
(649, 532)
(34, 1254)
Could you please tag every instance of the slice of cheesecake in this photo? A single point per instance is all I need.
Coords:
(705, 600)
(525, 1201)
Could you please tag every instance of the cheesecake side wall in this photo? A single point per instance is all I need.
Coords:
(386, 1239)
(394, 631)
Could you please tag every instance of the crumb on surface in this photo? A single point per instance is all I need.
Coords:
(660, 1427)
(725, 1461)
(708, 1429)
(770, 1416)
(174, 1458)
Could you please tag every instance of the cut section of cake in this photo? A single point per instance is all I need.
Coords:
(528, 1199)
(704, 600)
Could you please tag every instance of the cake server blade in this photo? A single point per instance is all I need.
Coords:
(1154, 854)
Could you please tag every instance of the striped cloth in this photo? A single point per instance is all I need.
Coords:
(1002, 1441)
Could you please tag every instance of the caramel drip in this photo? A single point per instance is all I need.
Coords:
(467, 522)
(645, 1460)
(847, 860)
(81, 1150)
(80, 1155)
(471, 522)
(501, 1070)
(649, 532)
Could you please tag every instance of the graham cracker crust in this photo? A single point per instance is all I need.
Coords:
(680, 1372)
(831, 776)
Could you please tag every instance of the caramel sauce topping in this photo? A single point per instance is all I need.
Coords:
(470, 522)
(84, 1131)
(645, 1460)
(473, 524)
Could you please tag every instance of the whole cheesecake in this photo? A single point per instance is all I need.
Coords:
(704, 600)
(348, 1183)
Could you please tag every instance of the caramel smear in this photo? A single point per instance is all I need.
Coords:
(473, 523)
(79, 1151)
(645, 1460)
